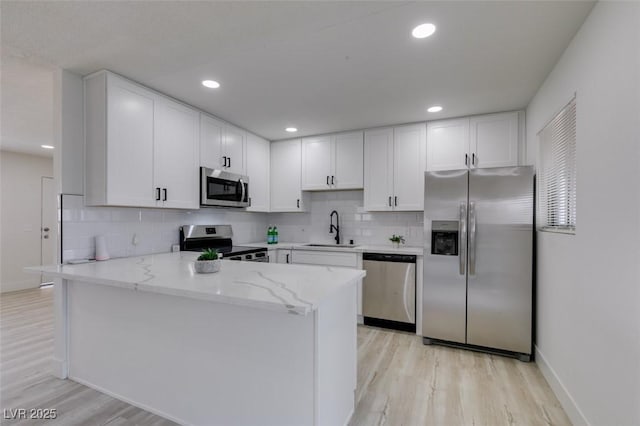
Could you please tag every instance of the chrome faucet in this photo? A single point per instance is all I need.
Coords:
(335, 227)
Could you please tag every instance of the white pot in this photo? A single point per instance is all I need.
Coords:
(207, 266)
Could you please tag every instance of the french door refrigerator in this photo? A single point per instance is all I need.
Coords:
(477, 287)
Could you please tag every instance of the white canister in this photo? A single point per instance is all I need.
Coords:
(101, 248)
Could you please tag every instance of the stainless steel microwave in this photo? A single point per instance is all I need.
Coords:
(223, 189)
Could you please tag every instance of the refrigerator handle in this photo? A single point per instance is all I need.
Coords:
(462, 237)
(472, 238)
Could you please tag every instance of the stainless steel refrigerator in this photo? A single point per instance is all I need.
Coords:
(478, 285)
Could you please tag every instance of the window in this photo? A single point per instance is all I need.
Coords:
(557, 172)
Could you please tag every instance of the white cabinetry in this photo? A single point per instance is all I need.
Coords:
(473, 142)
(286, 192)
(141, 147)
(394, 165)
(332, 162)
(222, 146)
(258, 165)
(284, 255)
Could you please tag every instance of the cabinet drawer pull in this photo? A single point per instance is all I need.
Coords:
(157, 194)
(389, 200)
(229, 162)
(473, 158)
(224, 161)
(466, 159)
(287, 257)
(164, 191)
(298, 202)
(327, 180)
(332, 178)
(395, 199)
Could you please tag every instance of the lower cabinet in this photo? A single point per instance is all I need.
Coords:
(329, 258)
(283, 256)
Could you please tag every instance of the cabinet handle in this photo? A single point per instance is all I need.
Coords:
(157, 194)
(287, 257)
(395, 199)
(473, 158)
(229, 162)
(389, 200)
(332, 178)
(466, 159)
(224, 161)
(327, 180)
(298, 203)
(164, 191)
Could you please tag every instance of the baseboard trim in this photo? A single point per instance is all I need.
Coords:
(569, 404)
(59, 368)
(129, 401)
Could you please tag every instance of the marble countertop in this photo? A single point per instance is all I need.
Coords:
(365, 248)
(294, 289)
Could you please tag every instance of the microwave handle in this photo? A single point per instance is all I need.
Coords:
(243, 189)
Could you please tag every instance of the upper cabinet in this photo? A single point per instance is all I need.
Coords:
(394, 165)
(332, 162)
(286, 191)
(473, 142)
(141, 147)
(222, 146)
(258, 166)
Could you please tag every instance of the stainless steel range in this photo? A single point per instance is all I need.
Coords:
(201, 237)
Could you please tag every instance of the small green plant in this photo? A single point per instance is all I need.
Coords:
(209, 254)
(398, 239)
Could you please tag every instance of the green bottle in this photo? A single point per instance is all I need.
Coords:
(275, 235)
(270, 235)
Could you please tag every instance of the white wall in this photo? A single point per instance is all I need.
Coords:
(20, 202)
(588, 336)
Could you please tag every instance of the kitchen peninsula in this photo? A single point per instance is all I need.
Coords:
(255, 343)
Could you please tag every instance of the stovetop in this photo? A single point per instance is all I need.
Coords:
(228, 251)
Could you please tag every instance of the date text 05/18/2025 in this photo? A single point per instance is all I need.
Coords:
(29, 413)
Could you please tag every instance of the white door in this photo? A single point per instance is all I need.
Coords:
(48, 226)
(349, 161)
(258, 162)
(409, 164)
(316, 163)
(494, 140)
(130, 145)
(378, 169)
(234, 149)
(448, 144)
(211, 131)
(286, 195)
(176, 156)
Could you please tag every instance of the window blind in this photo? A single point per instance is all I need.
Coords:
(557, 172)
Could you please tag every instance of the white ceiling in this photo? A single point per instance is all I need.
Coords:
(318, 66)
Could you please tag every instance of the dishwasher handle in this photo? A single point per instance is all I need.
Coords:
(386, 257)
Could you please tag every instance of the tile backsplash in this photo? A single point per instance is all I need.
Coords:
(355, 223)
(138, 231)
(154, 230)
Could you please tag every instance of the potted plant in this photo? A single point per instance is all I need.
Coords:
(207, 262)
(396, 240)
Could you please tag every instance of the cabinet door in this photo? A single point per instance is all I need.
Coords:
(409, 164)
(378, 169)
(286, 195)
(211, 131)
(176, 155)
(316, 163)
(494, 140)
(284, 256)
(234, 149)
(129, 148)
(258, 164)
(448, 144)
(349, 161)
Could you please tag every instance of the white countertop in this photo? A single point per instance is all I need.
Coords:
(294, 289)
(365, 248)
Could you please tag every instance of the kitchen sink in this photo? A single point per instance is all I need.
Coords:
(332, 245)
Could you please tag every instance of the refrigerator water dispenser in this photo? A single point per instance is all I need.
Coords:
(444, 237)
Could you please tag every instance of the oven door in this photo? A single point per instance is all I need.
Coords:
(223, 189)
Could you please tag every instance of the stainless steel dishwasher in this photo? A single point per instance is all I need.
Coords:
(389, 290)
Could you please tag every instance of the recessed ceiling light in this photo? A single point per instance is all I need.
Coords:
(423, 30)
(435, 108)
(291, 129)
(211, 84)
(47, 146)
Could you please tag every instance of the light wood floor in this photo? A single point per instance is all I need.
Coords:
(400, 381)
